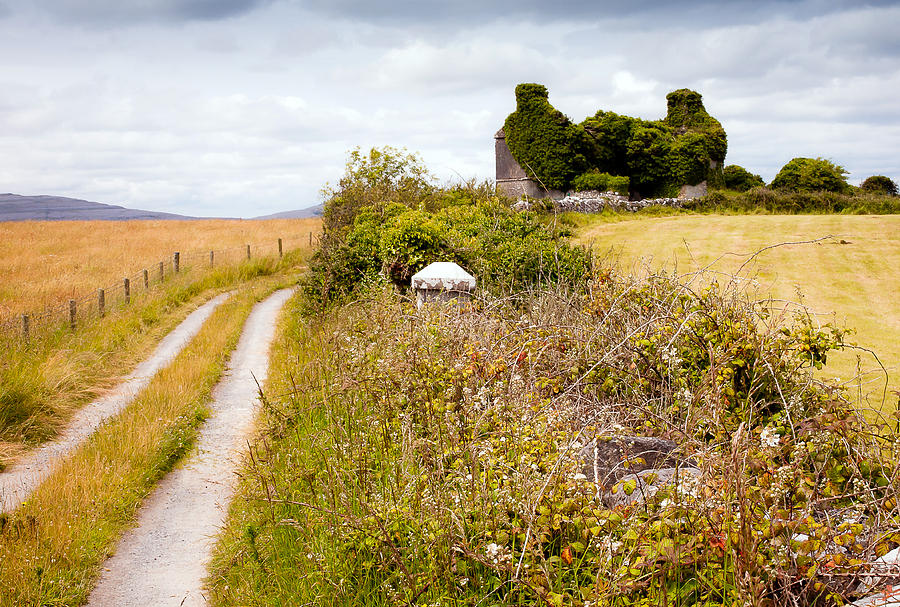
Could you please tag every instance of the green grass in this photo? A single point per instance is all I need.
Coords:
(243, 570)
(851, 279)
(52, 547)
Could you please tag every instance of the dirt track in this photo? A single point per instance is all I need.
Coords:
(21, 478)
(163, 560)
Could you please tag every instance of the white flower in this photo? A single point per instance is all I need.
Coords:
(769, 438)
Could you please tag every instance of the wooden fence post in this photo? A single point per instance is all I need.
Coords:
(176, 261)
(212, 258)
(101, 302)
(127, 284)
(279, 248)
(248, 251)
(161, 274)
(72, 314)
(310, 239)
(26, 322)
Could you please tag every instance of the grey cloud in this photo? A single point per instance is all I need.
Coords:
(639, 14)
(105, 12)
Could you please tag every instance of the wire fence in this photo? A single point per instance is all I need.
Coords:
(105, 299)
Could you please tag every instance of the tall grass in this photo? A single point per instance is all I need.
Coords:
(44, 380)
(52, 547)
(46, 263)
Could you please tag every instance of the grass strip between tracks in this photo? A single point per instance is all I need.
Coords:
(52, 548)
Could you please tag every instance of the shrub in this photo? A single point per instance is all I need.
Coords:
(602, 182)
(811, 175)
(739, 179)
(879, 184)
(391, 241)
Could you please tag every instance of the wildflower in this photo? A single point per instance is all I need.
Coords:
(769, 438)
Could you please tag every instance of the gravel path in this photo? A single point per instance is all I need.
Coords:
(21, 478)
(163, 560)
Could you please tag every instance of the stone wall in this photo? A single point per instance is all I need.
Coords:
(592, 201)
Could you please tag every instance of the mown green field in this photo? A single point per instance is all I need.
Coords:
(851, 279)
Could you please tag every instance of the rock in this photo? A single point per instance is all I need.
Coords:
(640, 487)
(606, 459)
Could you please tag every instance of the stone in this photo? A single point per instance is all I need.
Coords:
(606, 459)
(442, 281)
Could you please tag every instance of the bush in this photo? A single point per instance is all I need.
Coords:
(739, 179)
(602, 182)
(390, 241)
(811, 175)
(879, 184)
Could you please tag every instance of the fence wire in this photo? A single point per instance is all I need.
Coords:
(87, 306)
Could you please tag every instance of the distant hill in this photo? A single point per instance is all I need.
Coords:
(57, 208)
(14, 207)
(315, 211)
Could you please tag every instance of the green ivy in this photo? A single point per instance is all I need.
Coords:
(656, 156)
(543, 140)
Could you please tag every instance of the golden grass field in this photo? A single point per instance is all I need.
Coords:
(851, 279)
(46, 263)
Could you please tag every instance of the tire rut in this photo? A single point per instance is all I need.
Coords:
(17, 482)
(163, 560)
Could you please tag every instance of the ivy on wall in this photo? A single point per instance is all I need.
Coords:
(688, 146)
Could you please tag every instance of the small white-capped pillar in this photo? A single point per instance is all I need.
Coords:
(442, 281)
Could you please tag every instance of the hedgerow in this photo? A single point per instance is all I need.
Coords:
(765, 200)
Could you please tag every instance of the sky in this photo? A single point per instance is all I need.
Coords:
(247, 107)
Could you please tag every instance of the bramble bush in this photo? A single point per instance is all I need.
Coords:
(444, 468)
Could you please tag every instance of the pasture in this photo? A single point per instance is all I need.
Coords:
(850, 279)
(46, 263)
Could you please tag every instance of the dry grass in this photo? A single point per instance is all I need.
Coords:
(52, 547)
(45, 263)
(850, 280)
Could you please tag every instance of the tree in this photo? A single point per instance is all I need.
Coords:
(374, 179)
(879, 184)
(739, 179)
(811, 175)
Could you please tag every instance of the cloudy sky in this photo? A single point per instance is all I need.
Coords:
(248, 107)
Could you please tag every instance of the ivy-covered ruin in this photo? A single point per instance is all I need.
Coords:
(659, 157)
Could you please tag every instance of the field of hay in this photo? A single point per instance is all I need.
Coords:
(851, 279)
(45, 263)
